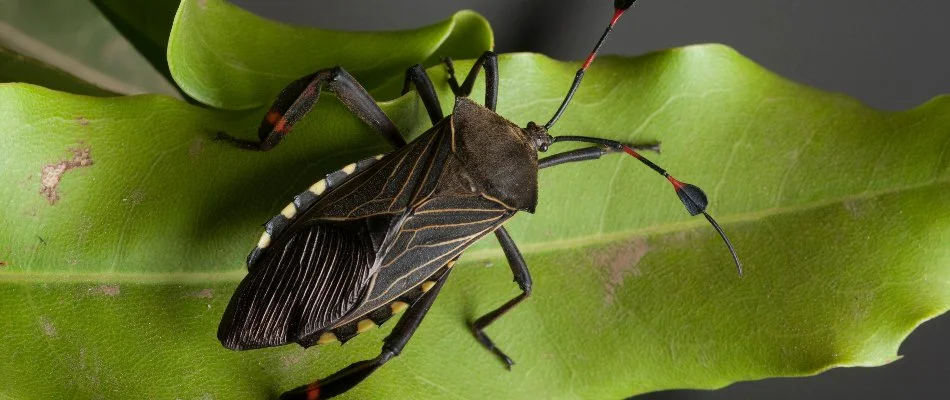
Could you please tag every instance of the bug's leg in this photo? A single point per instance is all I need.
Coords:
(488, 61)
(588, 153)
(416, 75)
(520, 270)
(299, 97)
(348, 377)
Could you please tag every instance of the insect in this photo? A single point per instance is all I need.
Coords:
(379, 237)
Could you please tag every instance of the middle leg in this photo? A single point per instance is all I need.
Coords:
(522, 277)
(489, 62)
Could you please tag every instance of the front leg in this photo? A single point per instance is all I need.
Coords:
(299, 97)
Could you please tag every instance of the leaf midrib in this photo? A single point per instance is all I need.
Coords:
(472, 256)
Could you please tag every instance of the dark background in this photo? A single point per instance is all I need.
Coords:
(889, 54)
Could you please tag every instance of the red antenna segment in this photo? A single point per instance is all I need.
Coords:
(619, 7)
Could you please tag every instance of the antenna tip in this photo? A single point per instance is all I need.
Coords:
(623, 4)
(722, 234)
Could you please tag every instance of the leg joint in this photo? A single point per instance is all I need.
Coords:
(525, 288)
(387, 353)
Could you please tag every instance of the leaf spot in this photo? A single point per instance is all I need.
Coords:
(52, 174)
(621, 263)
(47, 326)
(108, 290)
(196, 148)
(203, 294)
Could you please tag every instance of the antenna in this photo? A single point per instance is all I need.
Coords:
(619, 7)
(692, 196)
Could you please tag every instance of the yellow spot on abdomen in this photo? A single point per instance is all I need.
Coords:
(398, 307)
(281, 126)
(273, 117)
(365, 325)
(265, 241)
(327, 337)
(289, 212)
(427, 286)
(349, 169)
(450, 264)
(319, 187)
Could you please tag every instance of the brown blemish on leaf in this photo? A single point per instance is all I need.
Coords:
(3, 264)
(203, 4)
(196, 148)
(47, 326)
(82, 121)
(108, 290)
(203, 294)
(619, 263)
(52, 174)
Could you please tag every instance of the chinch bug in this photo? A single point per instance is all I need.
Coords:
(380, 236)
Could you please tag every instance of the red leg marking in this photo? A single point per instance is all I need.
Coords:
(281, 126)
(273, 117)
(313, 391)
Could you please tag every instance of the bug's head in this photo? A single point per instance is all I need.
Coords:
(693, 198)
(539, 134)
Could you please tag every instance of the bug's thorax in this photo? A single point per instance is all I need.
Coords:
(500, 159)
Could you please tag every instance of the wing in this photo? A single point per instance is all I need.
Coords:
(314, 261)
(300, 287)
(392, 184)
(439, 228)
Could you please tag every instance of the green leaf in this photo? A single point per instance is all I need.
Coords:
(17, 68)
(228, 58)
(74, 37)
(146, 25)
(115, 289)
